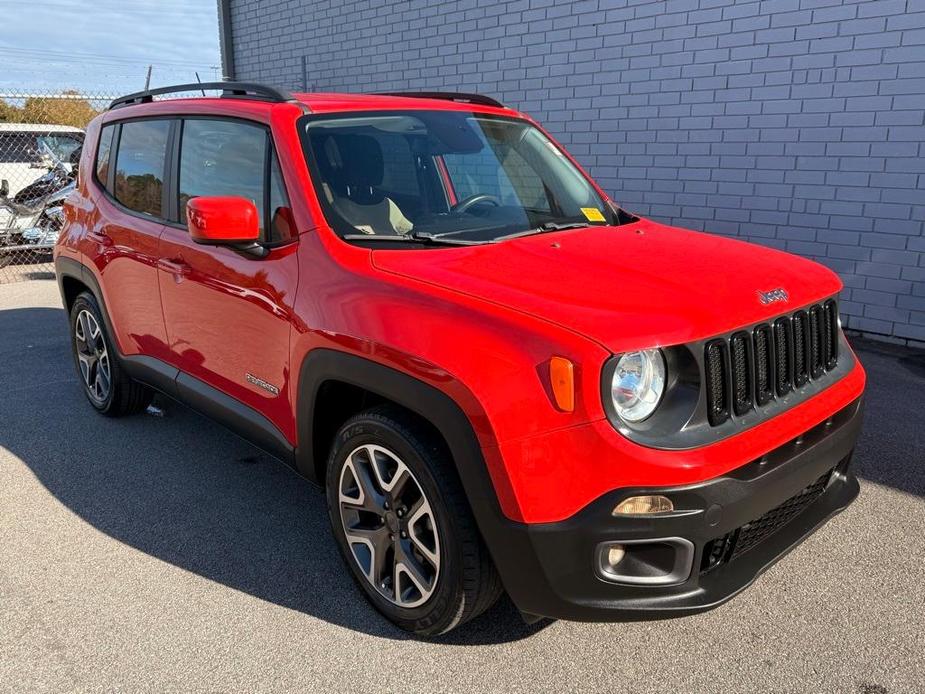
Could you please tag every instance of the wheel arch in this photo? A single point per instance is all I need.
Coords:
(326, 372)
(73, 278)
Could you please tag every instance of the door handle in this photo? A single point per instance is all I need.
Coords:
(174, 266)
(99, 237)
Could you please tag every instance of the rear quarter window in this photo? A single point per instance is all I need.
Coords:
(104, 154)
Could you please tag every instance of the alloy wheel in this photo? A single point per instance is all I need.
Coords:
(389, 525)
(92, 356)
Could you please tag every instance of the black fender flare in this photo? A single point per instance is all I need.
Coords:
(69, 268)
(152, 371)
(507, 540)
(322, 365)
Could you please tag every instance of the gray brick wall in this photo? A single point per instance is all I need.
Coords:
(797, 124)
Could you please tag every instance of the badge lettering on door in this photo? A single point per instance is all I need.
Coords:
(772, 296)
(260, 383)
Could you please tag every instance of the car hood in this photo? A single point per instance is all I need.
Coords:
(634, 286)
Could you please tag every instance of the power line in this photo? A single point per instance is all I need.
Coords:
(76, 56)
(112, 7)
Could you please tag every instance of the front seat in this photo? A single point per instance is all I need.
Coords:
(354, 170)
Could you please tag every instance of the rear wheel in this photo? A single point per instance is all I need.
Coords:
(108, 388)
(403, 525)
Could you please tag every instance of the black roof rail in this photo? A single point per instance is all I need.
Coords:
(240, 90)
(480, 99)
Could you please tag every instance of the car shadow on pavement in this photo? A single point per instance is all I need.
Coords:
(184, 490)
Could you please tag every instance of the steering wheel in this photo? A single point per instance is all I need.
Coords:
(465, 205)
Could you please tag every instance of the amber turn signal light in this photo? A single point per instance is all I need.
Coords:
(644, 505)
(562, 379)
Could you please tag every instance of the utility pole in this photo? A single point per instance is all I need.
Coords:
(148, 78)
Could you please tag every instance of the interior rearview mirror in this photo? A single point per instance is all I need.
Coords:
(223, 221)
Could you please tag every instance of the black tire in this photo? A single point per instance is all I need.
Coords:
(467, 583)
(124, 396)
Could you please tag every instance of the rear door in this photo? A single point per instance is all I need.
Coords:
(124, 232)
(228, 313)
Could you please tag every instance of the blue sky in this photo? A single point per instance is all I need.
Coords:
(106, 45)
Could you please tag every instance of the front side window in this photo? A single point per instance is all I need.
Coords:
(444, 174)
(222, 158)
(140, 165)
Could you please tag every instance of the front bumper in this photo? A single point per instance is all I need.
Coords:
(551, 569)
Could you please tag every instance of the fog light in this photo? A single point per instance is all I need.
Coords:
(659, 561)
(615, 554)
(643, 505)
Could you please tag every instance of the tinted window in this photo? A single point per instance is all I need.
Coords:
(103, 154)
(140, 165)
(17, 148)
(222, 158)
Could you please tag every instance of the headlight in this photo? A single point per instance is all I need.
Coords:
(638, 384)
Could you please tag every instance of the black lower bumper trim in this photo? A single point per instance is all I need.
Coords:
(770, 505)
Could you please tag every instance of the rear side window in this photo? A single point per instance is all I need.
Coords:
(140, 165)
(230, 158)
(103, 155)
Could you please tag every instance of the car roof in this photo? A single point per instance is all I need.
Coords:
(317, 102)
(38, 128)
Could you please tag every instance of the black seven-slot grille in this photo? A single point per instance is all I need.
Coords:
(749, 369)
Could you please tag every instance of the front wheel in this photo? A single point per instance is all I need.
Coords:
(403, 524)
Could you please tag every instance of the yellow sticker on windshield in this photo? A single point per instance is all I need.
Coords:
(592, 214)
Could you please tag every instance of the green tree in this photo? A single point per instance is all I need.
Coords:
(9, 114)
(57, 111)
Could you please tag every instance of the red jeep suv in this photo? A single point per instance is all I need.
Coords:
(502, 380)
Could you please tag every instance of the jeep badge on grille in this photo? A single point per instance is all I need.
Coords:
(772, 296)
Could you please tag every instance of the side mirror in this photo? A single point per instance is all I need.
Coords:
(223, 221)
(4, 188)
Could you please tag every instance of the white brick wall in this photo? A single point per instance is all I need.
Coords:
(794, 123)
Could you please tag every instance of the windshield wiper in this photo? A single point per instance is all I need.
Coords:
(419, 237)
(545, 228)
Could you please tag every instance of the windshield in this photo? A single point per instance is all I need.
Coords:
(452, 176)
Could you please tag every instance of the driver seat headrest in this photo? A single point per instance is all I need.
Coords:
(353, 162)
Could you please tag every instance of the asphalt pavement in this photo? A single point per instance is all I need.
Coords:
(162, 553)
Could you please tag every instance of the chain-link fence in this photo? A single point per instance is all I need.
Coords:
(41, 136)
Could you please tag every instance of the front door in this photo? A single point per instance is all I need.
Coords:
(228, 313)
